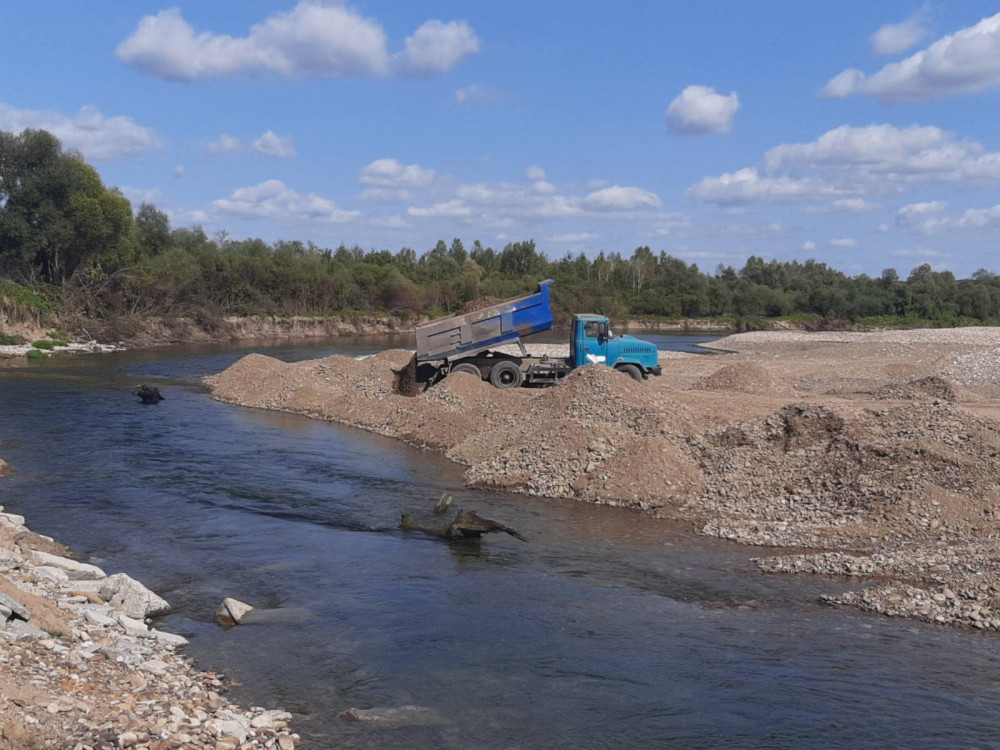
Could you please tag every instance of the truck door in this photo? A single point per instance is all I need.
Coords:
(594, 345)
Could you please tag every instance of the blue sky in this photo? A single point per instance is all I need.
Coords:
(863, 134)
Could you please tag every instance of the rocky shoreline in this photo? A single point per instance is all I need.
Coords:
(83, 668)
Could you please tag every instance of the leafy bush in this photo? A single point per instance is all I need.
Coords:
(46, 344)
(7, 340)
(35, 354)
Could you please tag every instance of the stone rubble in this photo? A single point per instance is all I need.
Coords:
(81, 668)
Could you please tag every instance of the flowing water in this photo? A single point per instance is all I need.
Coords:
(606, 630)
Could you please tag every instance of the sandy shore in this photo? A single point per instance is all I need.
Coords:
(81, 667)
(872, 455)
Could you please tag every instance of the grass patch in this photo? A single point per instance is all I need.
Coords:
(21, 295)
(46, 344)
(8, 340)
(35, 354)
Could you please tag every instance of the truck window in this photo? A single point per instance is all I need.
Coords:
(592, 329)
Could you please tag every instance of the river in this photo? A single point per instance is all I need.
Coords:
(606, 629)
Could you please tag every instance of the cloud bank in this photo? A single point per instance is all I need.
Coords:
(314, 39)
(965, 62)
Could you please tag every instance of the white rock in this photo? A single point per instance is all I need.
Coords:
(154, 666)
(168, 639)
(227, 728)
(95, 617)
(51, 573)
(75, 570)
(134, 628)
(232, 611)
(128, 595)
(270, 718)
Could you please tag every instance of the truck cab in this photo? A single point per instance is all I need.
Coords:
(593, 342)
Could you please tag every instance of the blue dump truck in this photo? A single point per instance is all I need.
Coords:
(466, 343)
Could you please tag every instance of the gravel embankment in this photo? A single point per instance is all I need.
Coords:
(82, 667)
(881, 447)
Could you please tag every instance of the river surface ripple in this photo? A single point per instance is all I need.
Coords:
(606, 630)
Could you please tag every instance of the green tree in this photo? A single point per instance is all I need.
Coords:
(56, 213)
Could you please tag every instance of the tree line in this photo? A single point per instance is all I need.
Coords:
(77, 243)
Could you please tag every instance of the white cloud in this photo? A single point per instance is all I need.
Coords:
(961, 63)
(916, 254)
(842, 84)
(845, 242)
(808, 246)
(179, 170)
(271, 144)
(314, 38)
(543, 187)
(572, 238)
(931, 218)
(390, 173)
(449, 209)
(534, 173)
(699, 110)
(480, 94)
(273, 200)
(97, 137)
(848, 162)
(748, 186)
(620, 198)
(845, 205)
(386, 195)
(436, 47)
(505, 200)
(894, 38)
(227, 144)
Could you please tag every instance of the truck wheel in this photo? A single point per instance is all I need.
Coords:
(632, 371)
(467, 367)
(506, 374)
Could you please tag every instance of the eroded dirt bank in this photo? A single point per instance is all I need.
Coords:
(873, 455)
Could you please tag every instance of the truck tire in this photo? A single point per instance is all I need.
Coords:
(506, 374)
(467, 367)
(631, 370)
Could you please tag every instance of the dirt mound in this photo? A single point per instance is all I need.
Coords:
(741, 378)
(810, 472)
(922, 389)
(598, 436)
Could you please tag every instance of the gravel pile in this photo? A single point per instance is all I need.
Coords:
(80, 666)
(741, 378)
(885, 469)
(978, 368)
(597, 436)
(815, 475)
(921, 389)
(971, 337)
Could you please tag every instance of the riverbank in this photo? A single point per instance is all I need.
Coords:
(876, 453)
(82, 668)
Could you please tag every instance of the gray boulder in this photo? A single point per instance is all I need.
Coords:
(127, 595)
(232, 611)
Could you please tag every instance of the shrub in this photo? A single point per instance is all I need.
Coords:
(7, 340)
(46, 344)
(35, 354)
